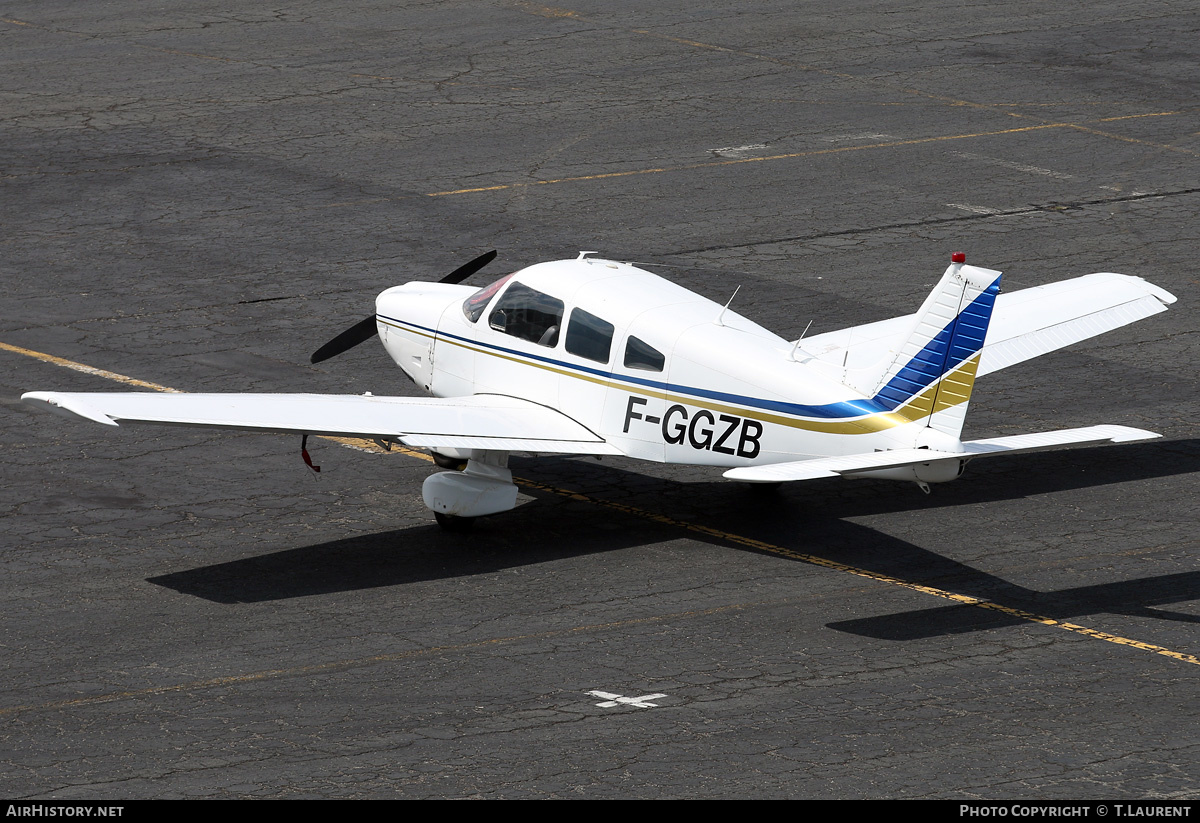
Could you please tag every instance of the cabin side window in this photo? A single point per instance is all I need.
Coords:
(474, 305)
(589, 336)
(528, 314)
(641, 355)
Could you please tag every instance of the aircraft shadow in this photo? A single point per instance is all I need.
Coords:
(804, 517)
(523, 537)
(1133, 598)
(1008, 478)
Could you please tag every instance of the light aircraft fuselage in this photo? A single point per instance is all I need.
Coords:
(592, 356)
(660, 372)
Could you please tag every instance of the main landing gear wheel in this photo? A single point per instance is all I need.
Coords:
(442, 461)
(454, 525)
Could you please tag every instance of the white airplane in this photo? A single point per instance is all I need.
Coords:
(597, 357)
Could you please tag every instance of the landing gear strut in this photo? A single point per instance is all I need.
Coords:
(484, 487)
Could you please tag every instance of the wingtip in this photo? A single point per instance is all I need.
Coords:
(1128, 434)
(1164, 296)
(65, 405)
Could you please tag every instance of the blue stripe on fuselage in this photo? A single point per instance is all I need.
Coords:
(959, 340)
(831, 411)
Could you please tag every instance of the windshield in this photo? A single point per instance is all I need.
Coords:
(474, 305)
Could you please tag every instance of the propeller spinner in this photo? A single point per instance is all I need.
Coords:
(365, 329)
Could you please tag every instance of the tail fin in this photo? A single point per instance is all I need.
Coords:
(934, 372)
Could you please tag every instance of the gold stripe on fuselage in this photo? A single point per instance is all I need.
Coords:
(915, 409)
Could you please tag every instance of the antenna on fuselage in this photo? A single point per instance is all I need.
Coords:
(796, 347)
(721, 316)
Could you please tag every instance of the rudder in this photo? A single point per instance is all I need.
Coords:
(932, 376)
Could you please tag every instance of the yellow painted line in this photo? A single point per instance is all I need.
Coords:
(553, 12)
(1136, 116)
(342, 665)
(823, 562)
(80, 367)
(859, 79)
(546, 11)
(644, 514)
(1137, 140)
(351, 442)
(916, 141)
(952, 101)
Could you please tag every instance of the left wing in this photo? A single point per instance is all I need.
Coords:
(479, 422)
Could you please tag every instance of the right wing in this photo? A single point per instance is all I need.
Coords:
(1024, 324)
(479, 422)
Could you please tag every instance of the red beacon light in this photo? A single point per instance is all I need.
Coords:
(958, 257)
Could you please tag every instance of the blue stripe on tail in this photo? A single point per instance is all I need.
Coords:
(958, 341)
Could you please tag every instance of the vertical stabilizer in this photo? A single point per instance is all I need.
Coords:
(933, 373)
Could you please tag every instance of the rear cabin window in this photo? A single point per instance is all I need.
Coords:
(474, 305)
(641, 355)
(589, 336)
(528, 314)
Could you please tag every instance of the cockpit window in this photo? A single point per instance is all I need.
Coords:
(474, 305)
(641, 355)
(589, 336)
(528, 314)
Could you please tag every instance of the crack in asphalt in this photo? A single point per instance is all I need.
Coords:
(1054, 207)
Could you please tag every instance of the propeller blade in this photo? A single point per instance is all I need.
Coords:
(360, 332)
(464, 271)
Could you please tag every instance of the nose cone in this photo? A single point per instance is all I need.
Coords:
(408, 318)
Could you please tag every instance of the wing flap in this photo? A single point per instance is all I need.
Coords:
(481, 421)
(508, 444)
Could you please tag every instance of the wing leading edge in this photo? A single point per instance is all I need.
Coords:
(478, 422)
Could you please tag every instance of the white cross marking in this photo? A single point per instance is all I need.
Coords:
(611, 700)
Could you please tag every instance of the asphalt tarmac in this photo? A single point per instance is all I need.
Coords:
(197, 198)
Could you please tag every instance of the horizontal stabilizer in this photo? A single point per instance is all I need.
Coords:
(478, 422)
(1024, 324)
(1046, 318)
(1041, 441)
(849, 465)
(835, 466)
